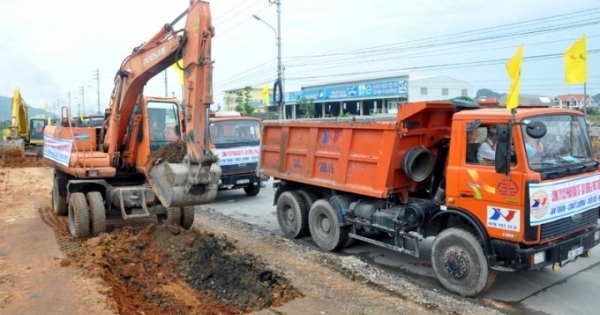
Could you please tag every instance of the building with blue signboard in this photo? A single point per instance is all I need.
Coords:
(370, 97)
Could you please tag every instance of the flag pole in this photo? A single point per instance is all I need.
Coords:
(585, 100)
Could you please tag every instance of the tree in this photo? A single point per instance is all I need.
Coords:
(242, 101)
(307, 107)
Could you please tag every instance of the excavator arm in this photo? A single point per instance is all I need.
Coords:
(194, 180)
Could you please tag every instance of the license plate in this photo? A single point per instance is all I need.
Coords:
(243, 181)
(575, 252)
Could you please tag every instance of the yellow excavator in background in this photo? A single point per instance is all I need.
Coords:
(25, 137)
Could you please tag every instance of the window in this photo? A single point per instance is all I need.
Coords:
(423, 91)
(163, 123)
(481, 145)
(444, 91)
(464, 92)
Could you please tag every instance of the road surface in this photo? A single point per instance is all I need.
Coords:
(568, 291)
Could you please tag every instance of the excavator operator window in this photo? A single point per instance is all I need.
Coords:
(163, 123)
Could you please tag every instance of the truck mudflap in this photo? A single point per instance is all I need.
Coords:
(557, 254)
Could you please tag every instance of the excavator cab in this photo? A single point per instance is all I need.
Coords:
(163, 125)
(36, 130)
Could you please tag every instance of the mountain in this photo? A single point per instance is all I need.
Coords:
(483, 93)
(6, 109)
(596, 98)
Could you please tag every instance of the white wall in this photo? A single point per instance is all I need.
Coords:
(435, 86)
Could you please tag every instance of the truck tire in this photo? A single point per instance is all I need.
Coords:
(309, 199)
(98, 212)
(187, 217)
(292, 220)
(459, 263)
(252, 190)
(59, 203)
(79, 215)
(324, 226)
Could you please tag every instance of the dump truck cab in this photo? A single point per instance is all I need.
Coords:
(235, 139)
(537, 195)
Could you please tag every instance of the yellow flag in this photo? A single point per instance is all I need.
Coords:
(576, 62)
(81, 115)
(178, 70)
(46, 107)
(265, 93)
(513, 67)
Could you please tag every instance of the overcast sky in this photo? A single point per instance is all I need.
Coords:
(50, 48)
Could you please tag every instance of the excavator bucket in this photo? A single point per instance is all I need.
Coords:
(173, 184)
(12, 150)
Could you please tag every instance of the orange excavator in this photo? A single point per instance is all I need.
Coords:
(106, 170)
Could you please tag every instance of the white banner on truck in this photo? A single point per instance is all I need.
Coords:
(231, 156)
(58, 150)
(561, 199)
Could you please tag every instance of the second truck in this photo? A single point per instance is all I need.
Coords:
(498, 191)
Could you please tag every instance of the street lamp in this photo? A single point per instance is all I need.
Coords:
(279, 68)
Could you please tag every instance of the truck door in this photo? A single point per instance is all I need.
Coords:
(495, 199)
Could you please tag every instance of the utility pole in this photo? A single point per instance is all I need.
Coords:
(279, 67)
(97, 77)
(166, 86)
(82, 90)
(57, 106)
(70, 109)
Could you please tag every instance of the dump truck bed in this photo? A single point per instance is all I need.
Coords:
(361, 155)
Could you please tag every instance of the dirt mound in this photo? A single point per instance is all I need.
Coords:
(168, 270)
(25, 162)
(172, 153)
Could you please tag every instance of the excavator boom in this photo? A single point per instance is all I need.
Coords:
(175, 184)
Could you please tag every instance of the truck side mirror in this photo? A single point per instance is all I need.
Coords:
(502, 157)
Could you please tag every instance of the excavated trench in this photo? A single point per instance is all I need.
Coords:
(161, 269)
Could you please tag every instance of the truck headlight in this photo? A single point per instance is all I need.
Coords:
(220, 182)
(539, 258)
(597, 236)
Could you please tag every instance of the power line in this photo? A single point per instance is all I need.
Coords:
(231, 17)
(446, 66)
(240, 23)
(563, 16)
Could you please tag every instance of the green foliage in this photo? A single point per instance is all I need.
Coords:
(242, 101)
(307, 107)
(342, 114)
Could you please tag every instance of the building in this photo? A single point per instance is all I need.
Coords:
(255, 99)
(574, 101)
(370, 97)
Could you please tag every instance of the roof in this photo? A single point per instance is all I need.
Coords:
(567, 97)
(504, 114)
(351, 82)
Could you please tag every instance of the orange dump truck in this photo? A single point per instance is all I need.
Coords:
(499, 190)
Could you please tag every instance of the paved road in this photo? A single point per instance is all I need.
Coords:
(570, 291)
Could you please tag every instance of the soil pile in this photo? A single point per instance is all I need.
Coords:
(22, 162)
(171, 153)
(168, 270)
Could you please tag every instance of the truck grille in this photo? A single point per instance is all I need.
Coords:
(239, 168)
(566, 225)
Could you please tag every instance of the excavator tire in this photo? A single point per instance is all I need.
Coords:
(187, 217)
(79, 215)
(173, 216)
(459, 263)
(59, 203)
(98, 212)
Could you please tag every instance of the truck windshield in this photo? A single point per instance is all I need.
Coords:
(565, 147)
(230, 133)
(163, 124)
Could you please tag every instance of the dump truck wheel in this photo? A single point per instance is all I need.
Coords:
(292, 220)
(459, 263)
(309, 199)
(187, 217)
(79, 215)
(59, 203)
(252, 190)
(98, 212)
(324, 226)
(173, 216)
